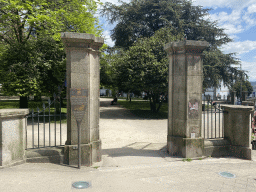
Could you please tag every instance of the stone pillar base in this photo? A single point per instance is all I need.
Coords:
(90, 153)
(185, 147)
(241, 152)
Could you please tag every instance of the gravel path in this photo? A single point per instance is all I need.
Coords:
(120, 128)
(128, 140)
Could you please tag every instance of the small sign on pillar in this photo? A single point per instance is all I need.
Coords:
(78, 101)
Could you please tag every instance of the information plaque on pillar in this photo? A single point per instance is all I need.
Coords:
(78, 99)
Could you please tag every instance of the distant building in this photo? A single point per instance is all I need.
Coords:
(105, 92)
(253, 94)
(222, 92)
(214, 93)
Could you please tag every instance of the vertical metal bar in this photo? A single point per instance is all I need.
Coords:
(211, 121)
(219, 119)
(215, 121)
(79, 144)
(60, 122)
(204, 116)
(222, 114)
(33, 128)
(44, 122)
(208, 119)
(55, 116)
(38, 126)
(49, 102)
(26, 127)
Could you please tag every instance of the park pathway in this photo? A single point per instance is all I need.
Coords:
(124, 136)
(119, 127)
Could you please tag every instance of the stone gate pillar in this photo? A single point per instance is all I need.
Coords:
(83, 72)
(233, 95)
(185, 98)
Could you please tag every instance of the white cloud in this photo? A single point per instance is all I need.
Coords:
(231, 29)
(234, 4)
(211, 3)
(239, 47)
(234, 37)
(250, 69)
(249, 19)
(231, 23)
(252, 8)
(224, 17)
(240, 19)
(107, 39)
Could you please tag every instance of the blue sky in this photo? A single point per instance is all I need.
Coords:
(236, 17)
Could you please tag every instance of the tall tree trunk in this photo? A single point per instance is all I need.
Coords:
(153, 102)
(159, 106)
(23, 102)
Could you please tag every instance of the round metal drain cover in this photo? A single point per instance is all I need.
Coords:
(227, 174)
(81, 185)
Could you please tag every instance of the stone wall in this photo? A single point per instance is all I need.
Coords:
(237, 129)
(12, 136)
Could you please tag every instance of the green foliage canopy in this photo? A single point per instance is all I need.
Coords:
(246, 86)
(144, 66)
(143, 18)
(32, 57)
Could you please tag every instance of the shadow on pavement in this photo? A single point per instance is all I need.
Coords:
(139, 149)
(108, 111)
(43, 155)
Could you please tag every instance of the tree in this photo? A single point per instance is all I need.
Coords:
(142, 18)
(107, 67)
(217, 68)
(144, 66)
(29, 30)
(246, 86)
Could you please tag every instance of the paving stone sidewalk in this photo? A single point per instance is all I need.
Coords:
(134, 159)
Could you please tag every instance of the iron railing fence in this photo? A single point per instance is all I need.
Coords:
(45, 126)
(212, 120)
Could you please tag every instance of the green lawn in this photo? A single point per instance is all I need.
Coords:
(141, 109)
(10, 104)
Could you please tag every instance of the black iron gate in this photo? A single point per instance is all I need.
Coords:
(212, 119)
(46, 125)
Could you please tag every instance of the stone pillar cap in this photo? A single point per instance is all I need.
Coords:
(237, 107)
(13, 112)
(81, 37)
(186, 44)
